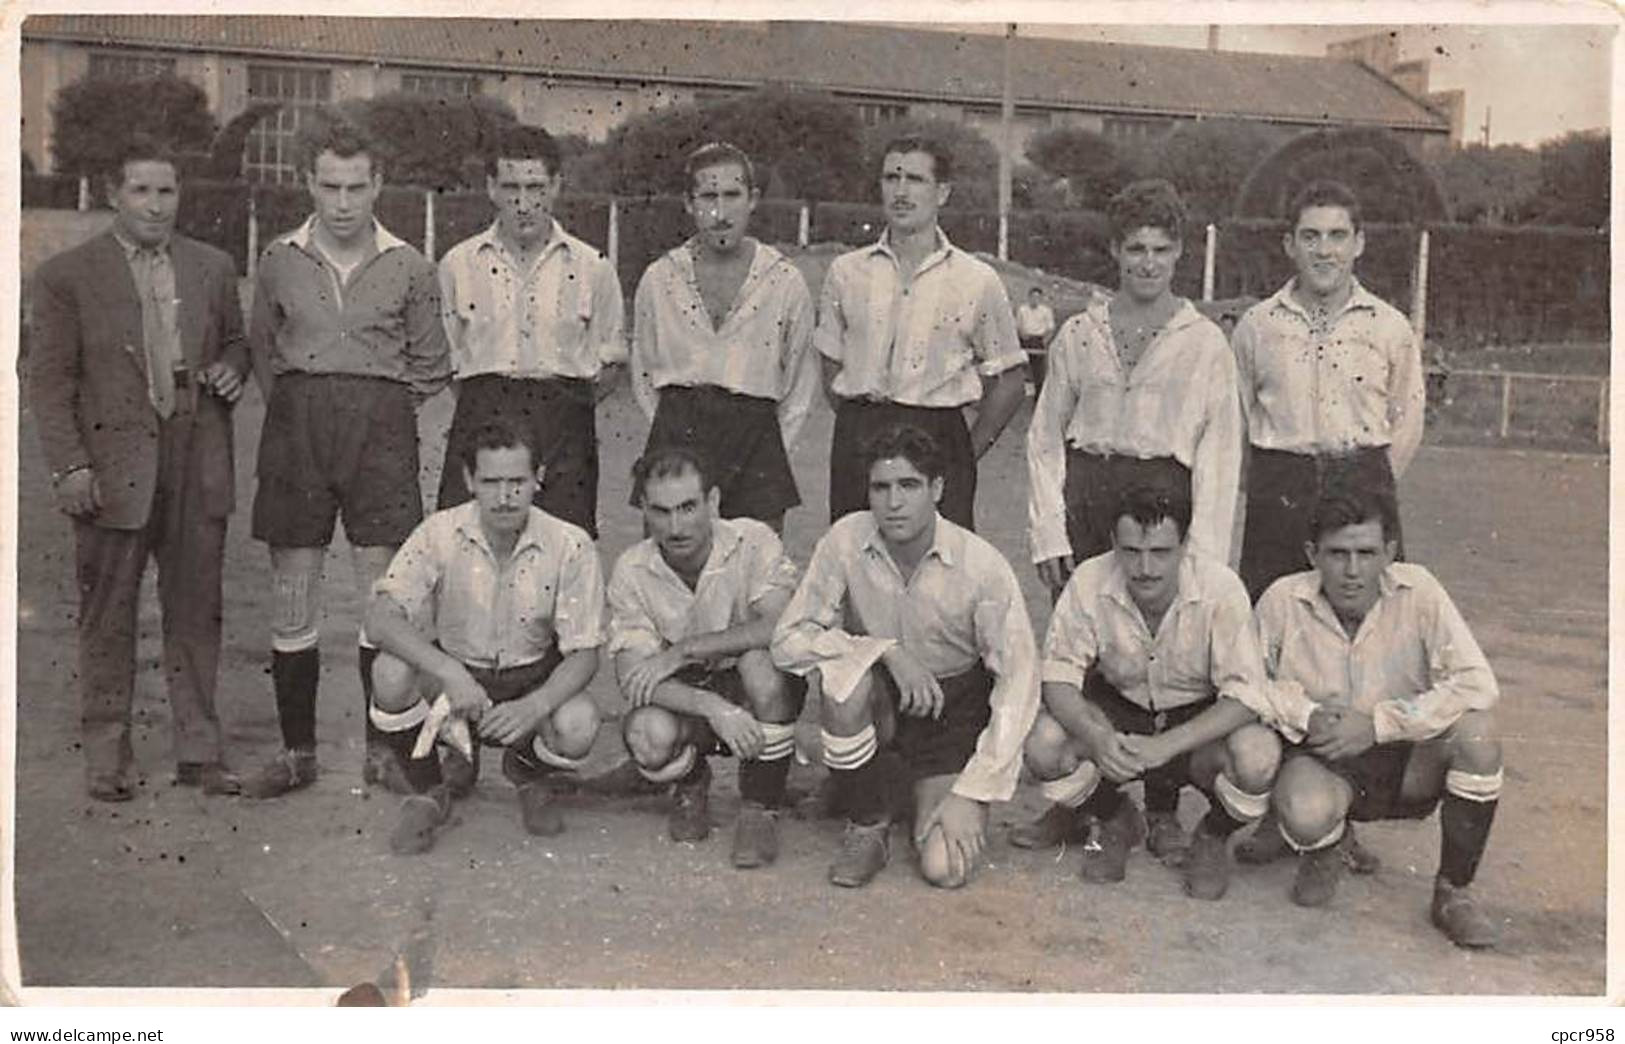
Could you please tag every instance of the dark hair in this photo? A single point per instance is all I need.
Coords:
(140, 147)
(1151, 203)
(718, 154)
(1150, 505)
(331, 131)
(1352, 504)
(942, 162)
(908, 443)
(1324, 192)
(669, 462)
(521, 141)
(498, 435)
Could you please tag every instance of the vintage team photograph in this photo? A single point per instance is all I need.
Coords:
(799, 506)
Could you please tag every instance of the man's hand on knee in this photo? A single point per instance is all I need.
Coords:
(919, 694)
(508, 723)
(960, 823)
(1341, 734)
(737, 728)
(467, 697)
(640, 682)
(1116, 761)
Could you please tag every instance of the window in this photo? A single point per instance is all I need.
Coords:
(1134, 128)
(269, 155)
(873, 114)
(441, 85)
(108, 65)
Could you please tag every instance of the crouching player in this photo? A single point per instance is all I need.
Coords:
(913, 632)
(693, 607)
(498, 607)
(1151, 665)
(1384, 697)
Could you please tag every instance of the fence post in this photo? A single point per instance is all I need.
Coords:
(1419, 291)
(1602, 412)
(614, 235)
(1506, 404)
(84, 193)
(804, 227)
(253, 235)
(428, 223)
(1210, 258)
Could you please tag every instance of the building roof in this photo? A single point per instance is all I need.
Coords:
(882, 61)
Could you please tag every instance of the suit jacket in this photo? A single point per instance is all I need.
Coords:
(87, 378)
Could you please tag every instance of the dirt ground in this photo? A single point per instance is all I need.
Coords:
(177, 890)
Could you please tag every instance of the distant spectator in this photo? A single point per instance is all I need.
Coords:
(1035, 321)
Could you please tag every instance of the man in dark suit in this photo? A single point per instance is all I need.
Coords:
(137, 357)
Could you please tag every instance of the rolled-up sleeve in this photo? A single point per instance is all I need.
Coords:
(1289, 706)
(414, 572)
(1407, 401)
(1460, 676)
(994, 341)
(1237, 661)
(1216, 463)
(631, 627)
(1005, 636)
(807, 638)
(579, 618)
(606, 328)
(799, 363)
(829, 336)
(1046, 452)
(1072, 643)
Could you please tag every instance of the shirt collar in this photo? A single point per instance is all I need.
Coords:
(1359, 299)
(382, 238)
(1185, 586)
(947, 543)
(467, 522)
(1099, 309)
(132, 248)
(944, 249)
(557, 239)
(725, 540)
(1389, 581)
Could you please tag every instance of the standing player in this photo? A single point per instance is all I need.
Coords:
(499, 607)
(913, 631)
(1035, 321)
(1151, 665)
(693, 608)
(1331, 385)
(138, 438)
(347, 341)
(534, 317)
(1385, 699)
(912, 330)
(720, 343)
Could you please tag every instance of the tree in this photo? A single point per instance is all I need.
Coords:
(803, 144)
(1574, 181)
(1093, 170)
(1490, 185)
(433, 141)
(1391, 184)
(95, 117)
(975, 160)
(1207, 161)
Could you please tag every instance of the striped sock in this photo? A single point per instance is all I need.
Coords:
(1073, 789)
(762, 778)
(398, 731)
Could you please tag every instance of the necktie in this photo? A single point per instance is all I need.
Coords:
(160, 372)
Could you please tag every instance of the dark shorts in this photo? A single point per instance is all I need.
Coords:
(1377, 778)
(739, 438)
(727, 683)
(1282, 490)
(941, 746)
(334, 445)
(1129, 717)
(511, 683)
(1095, 482)
(558, 414)
(859, 420)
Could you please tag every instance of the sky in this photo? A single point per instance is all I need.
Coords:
(1533, 82)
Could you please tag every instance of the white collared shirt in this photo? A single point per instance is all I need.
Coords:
(1178, 401)
(962, 605)
(1204, 646)
(1355, 382)
(490, 613)
(652, 608)
(1412, 664)
(761, 349)
(561, 317)
(926, 339)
